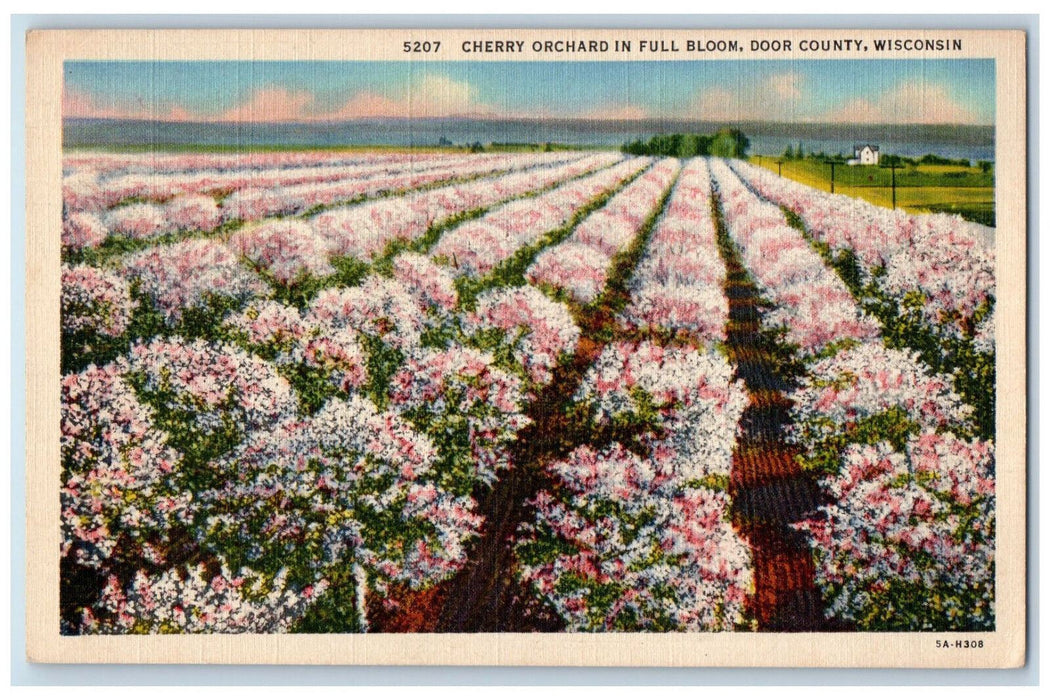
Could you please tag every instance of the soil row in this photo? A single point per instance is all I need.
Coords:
(768, 487)
(486, 595)
(769, 490)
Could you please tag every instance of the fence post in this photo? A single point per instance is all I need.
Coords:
(832, 164)
(893, 184)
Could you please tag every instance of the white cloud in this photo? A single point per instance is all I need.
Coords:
(76, 103)
(776, 98)
(786, 86)
(270, 105)
(917, 103)
(440, 96)
(780, 97)
(431, 95)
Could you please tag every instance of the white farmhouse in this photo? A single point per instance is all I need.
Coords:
(864, 155)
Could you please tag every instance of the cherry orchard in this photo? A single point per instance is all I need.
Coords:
(323, 391)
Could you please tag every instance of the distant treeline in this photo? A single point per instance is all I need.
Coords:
(546, 146)
(933, 159)
(885, 159)
(724, 143)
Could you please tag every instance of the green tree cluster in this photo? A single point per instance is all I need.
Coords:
(725, 143)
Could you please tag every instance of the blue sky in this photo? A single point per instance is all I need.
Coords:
(888, 91)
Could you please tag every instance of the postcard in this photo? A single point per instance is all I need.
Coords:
(527, 347)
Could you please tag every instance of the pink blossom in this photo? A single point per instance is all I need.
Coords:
(477, 247)
(459, 390)
(379, 307)
(948, 261)
(431, 285)
(663, 554)
(313, 483)
(193, 213)
(95, 301)
(894, 518)
(539, 331)
(139, 221)
(186, 274)
(214, 382)
(190, 603)
(83, 230)
(814, 305)
(119, 476)
(286, 249)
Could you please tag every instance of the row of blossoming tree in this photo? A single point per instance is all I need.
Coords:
(240, 458)
(289, 380)
(906, 539)
(232, 462)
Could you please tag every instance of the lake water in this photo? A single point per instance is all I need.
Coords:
(973, 142)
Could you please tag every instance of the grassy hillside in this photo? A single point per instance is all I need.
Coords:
(956, 189)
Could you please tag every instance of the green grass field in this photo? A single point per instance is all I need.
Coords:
(955, 189)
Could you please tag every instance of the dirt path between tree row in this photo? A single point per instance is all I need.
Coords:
(486, 595)
(768, 488)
